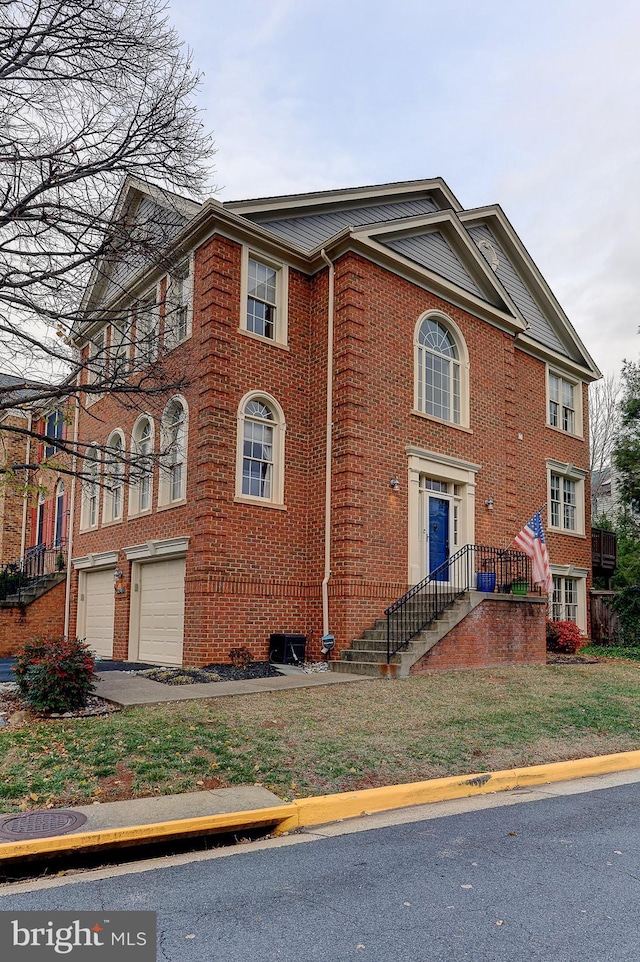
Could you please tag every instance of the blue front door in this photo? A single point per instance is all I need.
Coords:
(438, 534)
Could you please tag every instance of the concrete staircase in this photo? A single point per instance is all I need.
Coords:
(368, 655)
(36, 589)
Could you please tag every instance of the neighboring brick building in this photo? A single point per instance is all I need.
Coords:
(33, 510)
(458, 407)
(34, 514)
(12, 515)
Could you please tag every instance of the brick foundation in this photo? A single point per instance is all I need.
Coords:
(498, 632)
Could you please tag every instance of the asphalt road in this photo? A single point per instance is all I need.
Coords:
(554, 879)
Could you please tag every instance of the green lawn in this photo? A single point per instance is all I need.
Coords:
(321, 740)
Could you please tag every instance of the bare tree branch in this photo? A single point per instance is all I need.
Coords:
(91, 92)
(604, 417)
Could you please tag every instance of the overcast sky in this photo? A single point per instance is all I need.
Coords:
(533, 105)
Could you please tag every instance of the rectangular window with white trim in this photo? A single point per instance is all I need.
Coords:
(566, 497)
(147, 322)
(568, 600)
(178, 305)
(564, 403)
(264, 298)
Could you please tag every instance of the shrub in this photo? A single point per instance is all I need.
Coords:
(54, 674)
(9, 580)
(563, 637)
(627, 605)
(240, 657)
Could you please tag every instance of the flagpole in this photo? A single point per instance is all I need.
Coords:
(540, 509)
(532, 542)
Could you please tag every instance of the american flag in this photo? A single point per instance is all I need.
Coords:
(531, 540)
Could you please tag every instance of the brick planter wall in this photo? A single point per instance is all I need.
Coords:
(500, 631)
(20, 623)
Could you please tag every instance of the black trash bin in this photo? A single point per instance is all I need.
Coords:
(287, 649)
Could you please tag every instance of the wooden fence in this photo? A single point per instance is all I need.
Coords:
(604, 619)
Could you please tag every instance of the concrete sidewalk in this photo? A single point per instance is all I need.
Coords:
(126, 689)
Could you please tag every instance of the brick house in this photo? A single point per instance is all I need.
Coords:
(34, 513)
(414, 341)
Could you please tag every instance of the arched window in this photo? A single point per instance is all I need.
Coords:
(260, 468)
(173, 475)
(441, 374)
(90, 488)
(114, 478)
(141, 492)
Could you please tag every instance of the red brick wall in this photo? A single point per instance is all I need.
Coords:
(44, 617)
(505, 632)
(248, 567)
(12, 451)
(376, 314)
(251, 569)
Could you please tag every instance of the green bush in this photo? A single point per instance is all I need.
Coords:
(627, 606)
(563, 637)
(9, 580)
(54, 674)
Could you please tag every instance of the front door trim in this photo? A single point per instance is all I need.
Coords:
(451, 470)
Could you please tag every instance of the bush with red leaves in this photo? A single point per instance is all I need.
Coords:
(55, 674)
(563, 637)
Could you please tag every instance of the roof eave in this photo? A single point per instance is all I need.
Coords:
(388, 259)
(212, 218)
(587, 373)
(332, 198)
(508, 234)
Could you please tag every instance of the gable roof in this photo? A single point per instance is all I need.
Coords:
(159, 216)
(424, 223)
(548, 325)
(313, 230)
(418, 227)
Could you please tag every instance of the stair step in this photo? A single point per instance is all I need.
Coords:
(368, 654)
(369, 644)
(34, 590)
(373, 668)
(354, 655)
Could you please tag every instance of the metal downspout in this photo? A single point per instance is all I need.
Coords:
(72, 505)
(329, 446)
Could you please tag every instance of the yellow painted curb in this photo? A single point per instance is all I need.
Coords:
(156, 832)
(332, 808)
(306, 812)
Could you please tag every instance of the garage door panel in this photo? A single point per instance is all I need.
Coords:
(99, 612)
(162, 612)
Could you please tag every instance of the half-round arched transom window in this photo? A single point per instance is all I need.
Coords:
(438, 371)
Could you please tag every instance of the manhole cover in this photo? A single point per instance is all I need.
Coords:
(40, 824)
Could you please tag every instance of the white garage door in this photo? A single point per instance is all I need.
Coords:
(162, 612)
(99, 605)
